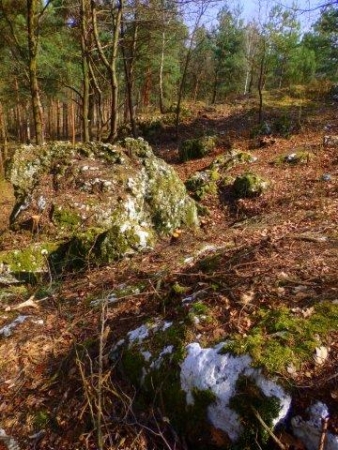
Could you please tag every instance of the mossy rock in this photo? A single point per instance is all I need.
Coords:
(29, 264)
(65, 218)
(299, 157)
(104, 201)
(249, 185)
(197, 148)
(196, 388)
(203, 183)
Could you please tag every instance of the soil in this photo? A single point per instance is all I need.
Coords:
(49, 365)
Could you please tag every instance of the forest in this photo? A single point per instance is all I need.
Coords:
(168, 225)
(88, 70)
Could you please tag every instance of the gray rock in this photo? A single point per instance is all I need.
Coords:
(119, 208)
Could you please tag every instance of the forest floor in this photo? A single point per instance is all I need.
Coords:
(49, 367)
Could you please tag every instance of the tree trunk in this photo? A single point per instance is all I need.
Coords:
(4, 141)
(110, 64)
(260, 87)
(162, 108)
(85, 72)
(96, 104)
(185, 69)
(215, 90)
(32, 35)
(129, 72)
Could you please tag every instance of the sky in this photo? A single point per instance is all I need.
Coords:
(258, 9)
(308, 13)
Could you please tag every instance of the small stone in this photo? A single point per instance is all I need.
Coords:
(326, 177)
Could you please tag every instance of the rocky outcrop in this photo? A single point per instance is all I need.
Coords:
(98, 202)
(207, 181)
(201, 389)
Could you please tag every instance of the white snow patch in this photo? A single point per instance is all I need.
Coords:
(146, 355)
(165, 326)
(207, 369)
(119, 343)
(139, 334)
(309, 431)
(6, 331)
(158, 362)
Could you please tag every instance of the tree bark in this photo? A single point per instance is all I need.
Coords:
(33, 40)
(162, 108)
(260, 86)
(110, 64)
(129, 72)
(85, 72)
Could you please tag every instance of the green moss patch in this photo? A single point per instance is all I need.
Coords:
(31, 259)
(249, 401)
(249, 185)
(203, 183)
(280, 338)
(294, 158)
(65, 217)
(197, 148)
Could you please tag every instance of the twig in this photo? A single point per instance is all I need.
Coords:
(325, 424)
(28, 303)
(102, 340)
(268, 430)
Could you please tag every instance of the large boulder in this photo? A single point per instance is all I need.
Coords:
(99, 201)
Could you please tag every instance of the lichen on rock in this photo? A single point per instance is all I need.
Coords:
(249, 185)
(102, 201)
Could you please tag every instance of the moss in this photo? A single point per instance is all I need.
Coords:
(151, 128)
(41, 419)
(169, 203)
(249, 185)
(76, 253)
(137, 147)
(286, 125)
(203, 183)
(116, 242)
(178, 289)
(14, 291)
(133, 363)
(280, 338)
(243, 157)
(248, 399)
(227, 181)
(196, 148)
(299, 157)
(200, 308)
(31, 259)
(65, 217)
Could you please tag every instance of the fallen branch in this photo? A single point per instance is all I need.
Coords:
(268, 430)
(325, 424)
